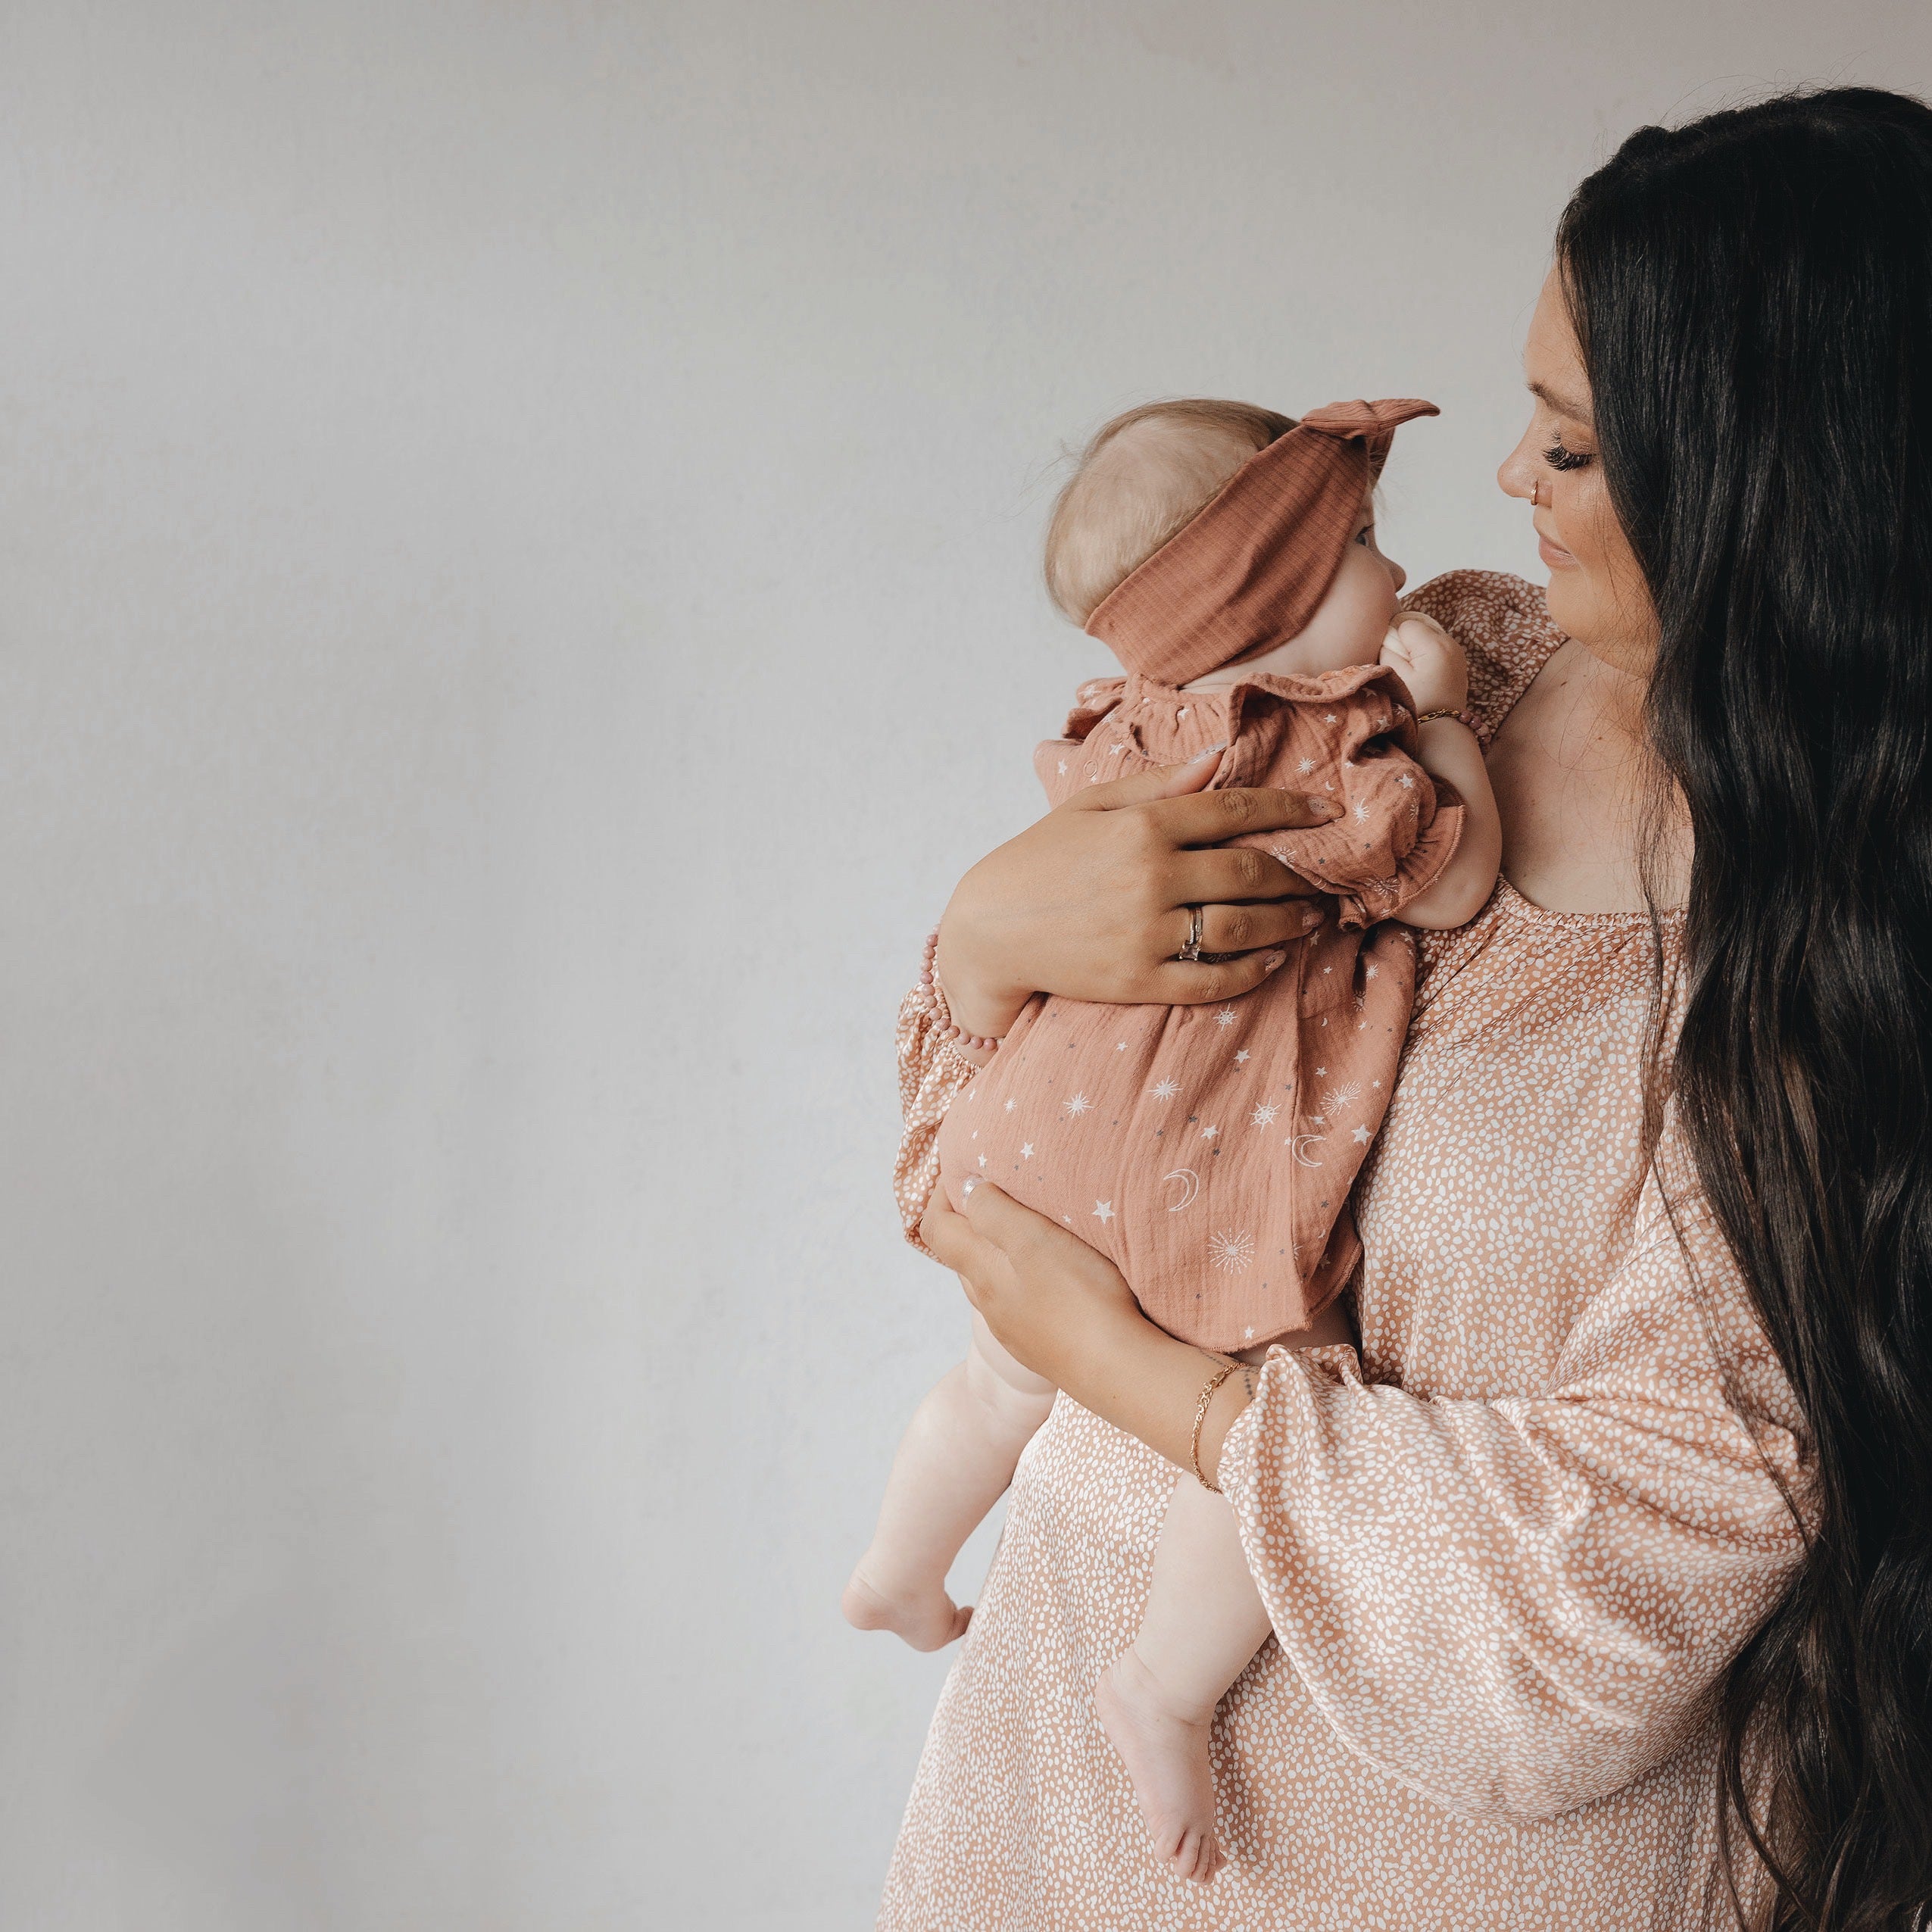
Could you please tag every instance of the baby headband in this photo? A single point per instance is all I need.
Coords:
(1249, 569)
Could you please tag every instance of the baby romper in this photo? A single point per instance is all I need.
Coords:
(1208, 1151)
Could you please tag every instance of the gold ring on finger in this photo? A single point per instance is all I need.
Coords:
(1190, 954)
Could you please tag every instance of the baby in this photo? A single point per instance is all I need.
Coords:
(1226, 555)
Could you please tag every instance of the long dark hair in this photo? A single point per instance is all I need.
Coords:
(1753, 296)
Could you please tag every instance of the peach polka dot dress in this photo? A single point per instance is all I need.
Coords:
(1508, 1549)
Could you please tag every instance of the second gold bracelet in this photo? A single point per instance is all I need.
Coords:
(1214, 1381)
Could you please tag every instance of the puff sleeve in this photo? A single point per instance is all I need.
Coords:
(931, 1076)
(1518, 1605)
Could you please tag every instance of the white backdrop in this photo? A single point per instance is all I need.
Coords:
(518, 595)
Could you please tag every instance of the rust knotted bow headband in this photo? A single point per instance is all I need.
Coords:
(1249, 571)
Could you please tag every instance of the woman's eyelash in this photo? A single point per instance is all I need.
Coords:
(1558, 458)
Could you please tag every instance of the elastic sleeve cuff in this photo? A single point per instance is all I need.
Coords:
(931, 1075)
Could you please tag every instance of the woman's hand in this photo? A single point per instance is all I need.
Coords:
(1050, 1300)
(1091, 902)
(1065, 1312)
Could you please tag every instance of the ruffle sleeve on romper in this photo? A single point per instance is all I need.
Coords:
(1353, 734)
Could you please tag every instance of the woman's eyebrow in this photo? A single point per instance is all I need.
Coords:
(1563, 405)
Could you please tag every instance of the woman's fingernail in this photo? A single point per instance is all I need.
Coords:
(1274, 959)
(967, 1187)
(1213, 750)
(1311, 917)
(1323, 808)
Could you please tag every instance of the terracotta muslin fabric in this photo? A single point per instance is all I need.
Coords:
(1249, 570)
(1209, 1150)
(1508, 1551)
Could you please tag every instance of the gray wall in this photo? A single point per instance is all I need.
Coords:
(517, 596)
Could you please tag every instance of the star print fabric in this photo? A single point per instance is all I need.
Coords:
(1208, 1151)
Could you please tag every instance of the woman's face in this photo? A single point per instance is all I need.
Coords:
(1597, 594)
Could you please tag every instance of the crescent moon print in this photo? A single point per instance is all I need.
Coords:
(1301, 1141)
(1190, 1182)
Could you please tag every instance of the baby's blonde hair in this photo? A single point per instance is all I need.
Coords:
(1124, 500)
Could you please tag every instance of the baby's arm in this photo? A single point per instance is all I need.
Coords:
(1431, 664)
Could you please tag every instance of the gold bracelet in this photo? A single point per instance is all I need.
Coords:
(1461, 717)
(1214, 1381)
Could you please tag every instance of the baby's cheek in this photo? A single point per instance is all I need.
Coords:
(1372, 600)
(1384, 601)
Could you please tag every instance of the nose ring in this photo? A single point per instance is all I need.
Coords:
(1536, 484)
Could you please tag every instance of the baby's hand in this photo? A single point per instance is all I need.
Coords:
(1429, 661)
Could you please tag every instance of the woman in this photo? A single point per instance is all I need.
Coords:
(1602, 1579)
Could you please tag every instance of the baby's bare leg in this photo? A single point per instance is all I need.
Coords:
(1203, 1620)
(954, 1463)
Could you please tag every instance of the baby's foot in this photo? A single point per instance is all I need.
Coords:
(927, 1619)
(1165, 1754)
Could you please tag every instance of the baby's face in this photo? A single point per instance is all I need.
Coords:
(1349, 624)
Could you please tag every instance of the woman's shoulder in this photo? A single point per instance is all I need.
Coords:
(1502, 623)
